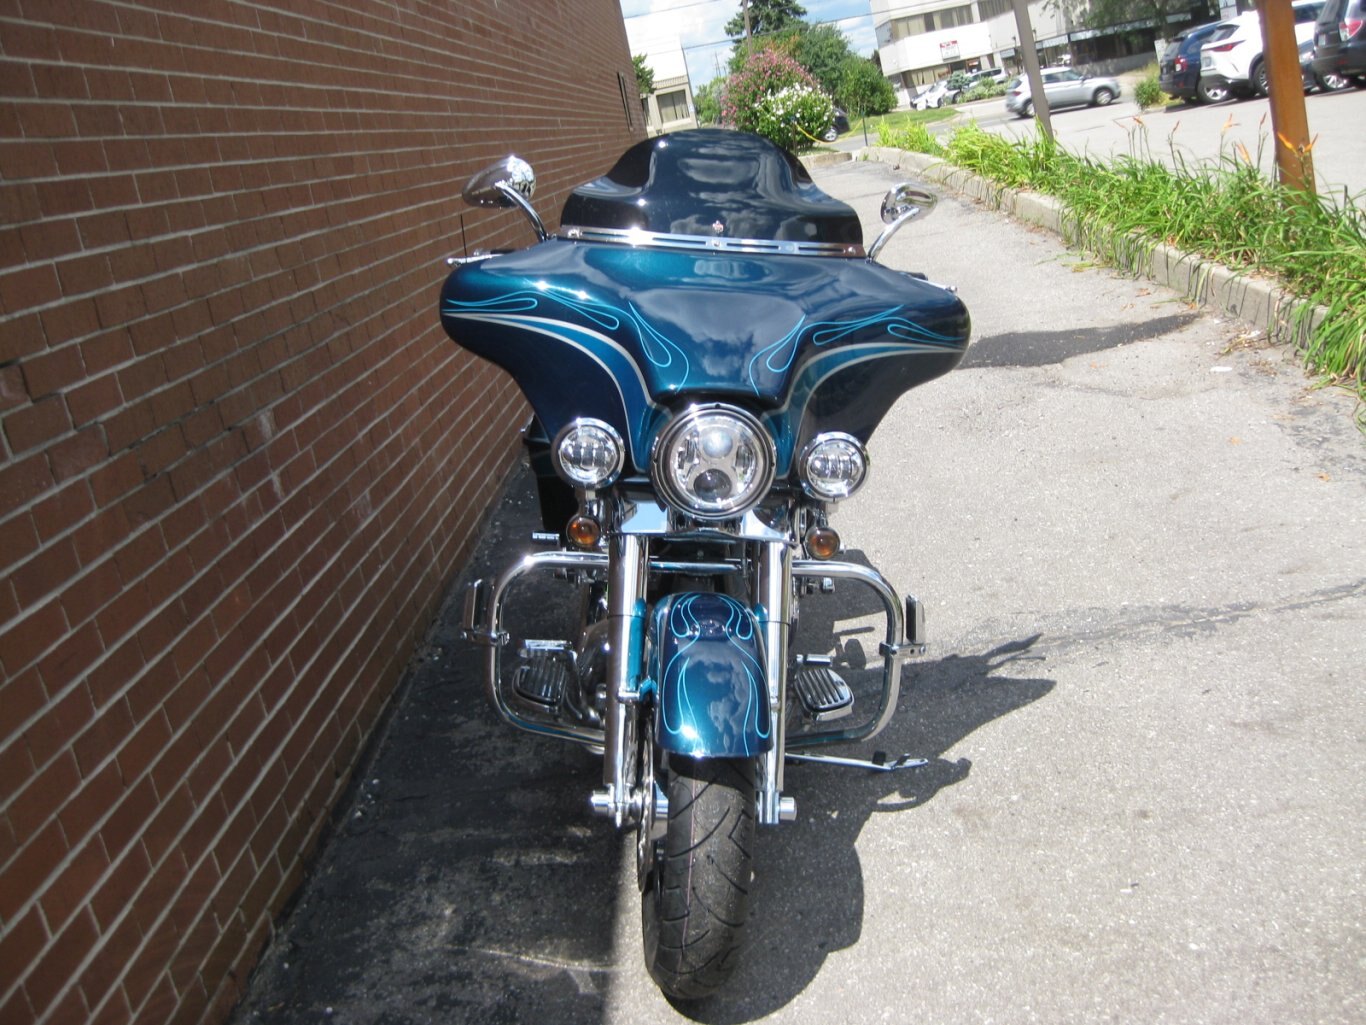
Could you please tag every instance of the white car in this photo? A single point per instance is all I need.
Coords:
(935, 96)
(1232, 56)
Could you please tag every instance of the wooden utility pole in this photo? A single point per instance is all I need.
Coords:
(1289, 122)
(1031, 63)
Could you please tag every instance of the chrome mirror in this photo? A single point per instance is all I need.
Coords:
(510, 182)
(906, 199)
(902, 204)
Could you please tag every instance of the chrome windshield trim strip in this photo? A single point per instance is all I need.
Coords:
(661, 240)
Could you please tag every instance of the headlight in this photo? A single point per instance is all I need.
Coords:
(589, 454)
(833, 466)
(713, 462)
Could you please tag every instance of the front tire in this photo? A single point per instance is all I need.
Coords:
(1103, 98)
(696, 898)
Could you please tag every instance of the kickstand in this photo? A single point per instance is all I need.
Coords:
(878, 763)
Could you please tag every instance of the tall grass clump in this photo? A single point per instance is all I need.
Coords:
(1226, 211)
(914, 138)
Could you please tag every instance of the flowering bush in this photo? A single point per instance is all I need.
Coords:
(774, 96)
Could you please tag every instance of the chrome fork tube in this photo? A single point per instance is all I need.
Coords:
(774, 599)
(627, 574)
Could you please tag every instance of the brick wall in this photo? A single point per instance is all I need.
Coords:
(240, 458)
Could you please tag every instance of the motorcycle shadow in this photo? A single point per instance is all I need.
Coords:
(808, 898)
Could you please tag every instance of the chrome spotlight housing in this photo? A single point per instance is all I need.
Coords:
(588, 454)
(833, 466)
(713, 462)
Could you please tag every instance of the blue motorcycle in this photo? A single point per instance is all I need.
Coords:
(706, 345)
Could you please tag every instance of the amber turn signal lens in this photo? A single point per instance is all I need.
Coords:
(584, 532)
(822, 543)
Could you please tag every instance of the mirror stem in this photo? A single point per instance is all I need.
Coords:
(524, 204)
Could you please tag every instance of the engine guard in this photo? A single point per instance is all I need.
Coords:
(706, 664)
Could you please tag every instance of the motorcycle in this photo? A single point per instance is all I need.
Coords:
(706, 346)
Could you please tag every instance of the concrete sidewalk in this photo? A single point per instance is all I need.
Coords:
(1141, 537)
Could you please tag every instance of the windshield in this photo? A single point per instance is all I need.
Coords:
(713, 183)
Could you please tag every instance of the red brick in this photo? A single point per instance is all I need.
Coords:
(36, 425)
(70, 885)
(57, 966)
(44, 573)
(83, 451)
(31, 286)
(93, 400)
(23, 877)
(23, 642)
(62, 510)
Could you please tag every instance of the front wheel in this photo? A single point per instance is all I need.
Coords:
(1103, 98)
(696, 898)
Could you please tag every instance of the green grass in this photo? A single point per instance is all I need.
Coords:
(1225, 210)
(899, 120)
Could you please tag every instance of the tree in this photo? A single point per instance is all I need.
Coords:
(706, 100)
(822, 50)
(645, 76)
(862, 89)
(765, 16)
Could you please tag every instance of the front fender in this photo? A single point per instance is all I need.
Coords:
(707, 666)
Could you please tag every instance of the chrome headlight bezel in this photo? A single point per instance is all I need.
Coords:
(818, 484)
(744, 429)
(574, 475)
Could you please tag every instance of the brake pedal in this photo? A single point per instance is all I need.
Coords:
(823, 693)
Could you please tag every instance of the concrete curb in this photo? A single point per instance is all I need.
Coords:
(1284, 316)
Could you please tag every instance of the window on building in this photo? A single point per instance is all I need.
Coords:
(988, 9)
(673, 106)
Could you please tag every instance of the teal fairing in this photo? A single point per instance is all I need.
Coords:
(707, 667)
(626, 334)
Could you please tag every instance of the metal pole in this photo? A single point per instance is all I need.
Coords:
(1031, 63)
(1289, 122)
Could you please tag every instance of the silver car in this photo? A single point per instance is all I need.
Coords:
(1064, 87)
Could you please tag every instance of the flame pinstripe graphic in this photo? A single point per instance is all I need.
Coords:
(526, 310)
(710, 677)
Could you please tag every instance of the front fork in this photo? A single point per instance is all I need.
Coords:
(624, 798)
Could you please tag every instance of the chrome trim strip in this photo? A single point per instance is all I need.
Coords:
(664, 240)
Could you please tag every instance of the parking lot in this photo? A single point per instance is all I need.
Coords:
(1194, 133)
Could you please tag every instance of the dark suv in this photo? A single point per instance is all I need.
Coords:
(1340, 41)
(1180, 67)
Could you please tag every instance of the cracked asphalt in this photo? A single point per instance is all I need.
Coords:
(1140, 535)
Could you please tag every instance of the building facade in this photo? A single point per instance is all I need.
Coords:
(240, 461)
(922, 41)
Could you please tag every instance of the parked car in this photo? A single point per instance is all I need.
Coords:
(1180, 67)
(935, 96)
(837, 127)
(1232, 56)
(1064, 87)
(976, 78)
(1329, 81)
(1340, 41)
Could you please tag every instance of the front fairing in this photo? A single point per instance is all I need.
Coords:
(625, 334)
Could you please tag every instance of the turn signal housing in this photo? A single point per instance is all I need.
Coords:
(583, 532)
(822, 543)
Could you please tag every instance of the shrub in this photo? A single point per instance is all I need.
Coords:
(774, 96)
(1148, 93)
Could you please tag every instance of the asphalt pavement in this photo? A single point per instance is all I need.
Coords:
(1141, 538)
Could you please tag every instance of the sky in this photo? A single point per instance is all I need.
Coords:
(699, 24)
